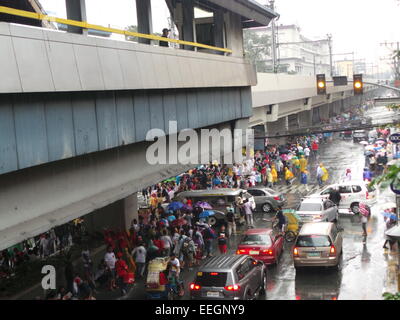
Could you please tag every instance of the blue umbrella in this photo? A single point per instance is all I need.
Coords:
(203, 204)
(206, 214)
(390, 215)
(171, 218)
(175, 205)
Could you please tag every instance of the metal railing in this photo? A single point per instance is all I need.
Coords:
(85, 25)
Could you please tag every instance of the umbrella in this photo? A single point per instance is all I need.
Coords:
(390, 215)
(369, 153)
(187, 207)
(178, 222)
(380, 139)
(171, 218)
(393, 162)
(388, 205)
(394, 232)
(175, 205)
(369, 148)
(203, 204)
(378, 148)
(380, 142)
(364, 143)
(206, 214)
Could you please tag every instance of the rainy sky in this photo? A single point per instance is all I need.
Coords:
(356, 25)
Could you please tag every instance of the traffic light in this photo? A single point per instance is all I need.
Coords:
(358, 84)
(321, 84)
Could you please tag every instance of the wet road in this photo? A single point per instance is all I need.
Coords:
(367, 270)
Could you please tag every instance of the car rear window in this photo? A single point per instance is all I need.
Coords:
(313, 241)
(253, 239)
(310, 207)
(211, 279)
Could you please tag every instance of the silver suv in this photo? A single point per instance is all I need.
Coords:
(317, 210)
(230, 277)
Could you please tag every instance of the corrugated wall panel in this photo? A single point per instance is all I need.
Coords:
(106, 120)
(84, 111)
(60, 127)
(182, 110)
(246, 102)
(30, 128)
(125, 118)
(218, 105)
(194, 121)
(225, 104)
(169, 104)
(142, 116)
(8, 148)
(157, 111)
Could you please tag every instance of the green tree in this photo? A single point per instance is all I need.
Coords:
(131, 29)
(257, 48)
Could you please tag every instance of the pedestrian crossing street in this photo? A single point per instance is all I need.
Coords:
(298, 189)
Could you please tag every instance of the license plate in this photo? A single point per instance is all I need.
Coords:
(314, 254)
(212, 294)
(255, 253)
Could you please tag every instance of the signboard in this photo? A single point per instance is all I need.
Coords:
(395, 138)
(340, 81)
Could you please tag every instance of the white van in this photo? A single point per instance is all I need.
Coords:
(353, 193)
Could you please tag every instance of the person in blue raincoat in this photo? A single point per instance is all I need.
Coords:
(304, 179)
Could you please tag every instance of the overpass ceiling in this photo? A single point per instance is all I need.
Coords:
(253, 14)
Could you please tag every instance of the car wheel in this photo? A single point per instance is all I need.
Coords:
(266, 208)
(249, 296)
(263, 289)
(355, 208)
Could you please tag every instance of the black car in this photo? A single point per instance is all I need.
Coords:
(230, 277)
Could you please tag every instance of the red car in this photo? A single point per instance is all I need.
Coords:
(262, 244)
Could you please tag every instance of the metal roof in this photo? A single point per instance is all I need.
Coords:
(254, 13)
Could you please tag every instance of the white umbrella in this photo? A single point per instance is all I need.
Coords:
(394, 232)
(364, 143)
(380, 142)
(388, 205)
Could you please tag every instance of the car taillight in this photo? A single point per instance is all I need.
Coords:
(234, 287)
(332, 252)
(194, 287)
(241, 251)
(268, 252)
(277, 198)
(295, 252)
(367, 195)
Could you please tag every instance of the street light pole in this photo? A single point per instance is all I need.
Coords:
(330, 53)
(273, 29)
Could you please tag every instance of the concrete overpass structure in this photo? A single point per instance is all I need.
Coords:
(75, 110)
(283, 102)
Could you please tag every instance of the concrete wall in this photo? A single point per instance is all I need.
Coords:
(39, 60)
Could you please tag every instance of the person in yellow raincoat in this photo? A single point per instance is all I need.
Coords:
(288, 176)
(274, 175)
(325, 176)
(303, 164)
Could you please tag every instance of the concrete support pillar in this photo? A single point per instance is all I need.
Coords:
(76, 10)
(130, 211)
(188, 28)
(324, 112)
(305, 119)
(144, 20)
(277, 128)
(219, 30)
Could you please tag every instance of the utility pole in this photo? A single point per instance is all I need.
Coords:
(395, 58)
(273, 29)
(330, 53)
